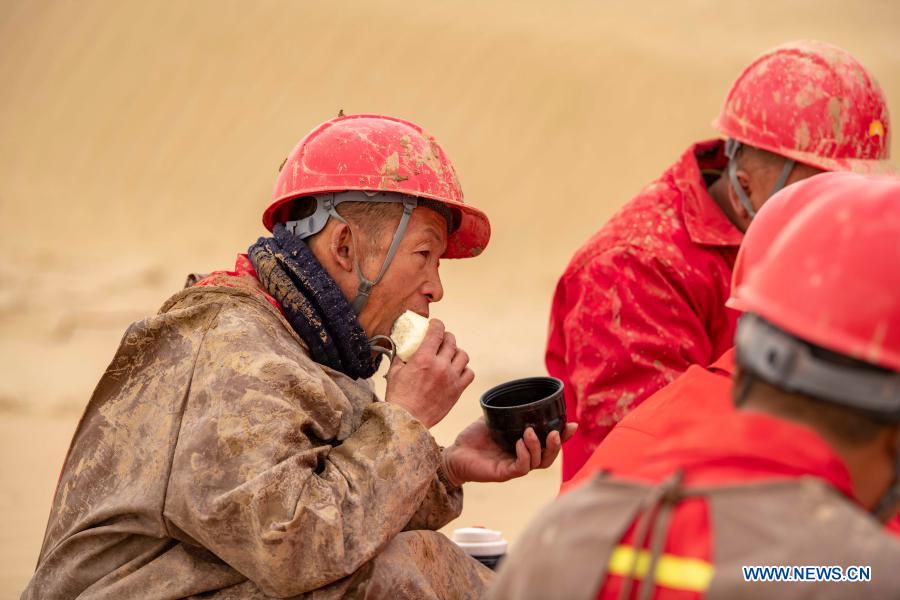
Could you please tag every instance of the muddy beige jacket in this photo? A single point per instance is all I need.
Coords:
(216, 456)
(571, 549)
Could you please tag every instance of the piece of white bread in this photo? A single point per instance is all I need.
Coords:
(408, 332)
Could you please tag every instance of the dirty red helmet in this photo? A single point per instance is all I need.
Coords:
(775, 214)
(832, 277)
(378, 154)
(814, 103)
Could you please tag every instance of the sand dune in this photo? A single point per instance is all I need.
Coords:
(139, 141)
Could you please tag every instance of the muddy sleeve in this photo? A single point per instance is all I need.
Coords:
(440, 506)
(624, 327)
(260, 478)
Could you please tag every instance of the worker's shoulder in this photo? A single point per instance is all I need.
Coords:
(650, 226)
(231, 302)
(804, 519)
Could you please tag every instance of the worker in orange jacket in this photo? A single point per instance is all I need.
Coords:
(801, 477)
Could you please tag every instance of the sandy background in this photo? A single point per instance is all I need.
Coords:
(139, 141)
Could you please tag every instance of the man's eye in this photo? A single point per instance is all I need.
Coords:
(425, 253)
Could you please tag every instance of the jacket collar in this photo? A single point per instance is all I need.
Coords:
(744, 446)
(243, 276)
(706, 223)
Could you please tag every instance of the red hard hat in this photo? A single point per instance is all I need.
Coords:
(775, 214)
(832, 277)
(378, 154)
(814, 103)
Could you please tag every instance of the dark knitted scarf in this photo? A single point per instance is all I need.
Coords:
(313, 304)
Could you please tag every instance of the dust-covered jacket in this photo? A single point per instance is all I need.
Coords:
(215, 454)
(710, 508)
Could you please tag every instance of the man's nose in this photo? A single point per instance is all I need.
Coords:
(433, 288)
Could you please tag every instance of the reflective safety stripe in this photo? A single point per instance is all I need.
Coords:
(676, 572)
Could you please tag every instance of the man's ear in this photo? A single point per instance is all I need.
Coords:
(341, 245)
(734, 200)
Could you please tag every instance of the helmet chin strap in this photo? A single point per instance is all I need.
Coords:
(884, 509)
(364, 289)
(732, 147)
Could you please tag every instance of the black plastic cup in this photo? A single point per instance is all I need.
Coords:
(491, 562)
(512, 407)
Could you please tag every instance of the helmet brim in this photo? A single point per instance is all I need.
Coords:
(468, 240)
(473, 234)
(853, 165)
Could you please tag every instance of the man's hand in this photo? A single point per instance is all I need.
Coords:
(475, 457)
(429, 385)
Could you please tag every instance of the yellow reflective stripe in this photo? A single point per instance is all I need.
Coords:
(676, 572)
